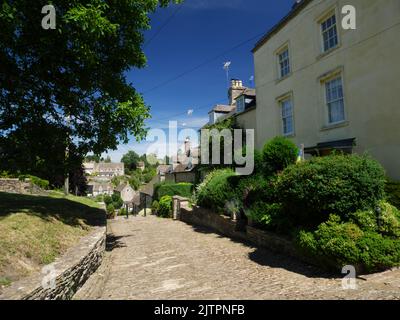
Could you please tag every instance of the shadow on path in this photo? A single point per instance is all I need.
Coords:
(268, 258)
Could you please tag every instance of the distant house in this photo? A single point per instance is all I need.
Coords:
(96, 188)
(106, 170)
(184, 166)
(162, 170)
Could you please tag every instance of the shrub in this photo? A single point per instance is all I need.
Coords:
(155, 207)
(165, 207)
(265, 215)
(216, 190)
(337, 184)
(279, 153)
(122, 212)
(107, 200)
(41, 183)
(117, 201)
(393, 193)
(99, 198)
(110, 211)
(336, 244)
(255, 188)
(173, 189)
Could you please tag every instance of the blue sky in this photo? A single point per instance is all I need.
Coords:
(200, 31)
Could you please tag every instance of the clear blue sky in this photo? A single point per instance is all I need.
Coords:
(198, 32)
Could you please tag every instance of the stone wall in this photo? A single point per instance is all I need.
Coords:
(17, 186)
(70, 271)
(206, 218)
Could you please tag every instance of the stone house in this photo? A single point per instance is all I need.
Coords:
(105, 170)
(329, 88)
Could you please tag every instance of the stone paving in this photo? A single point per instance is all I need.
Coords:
(151, 258)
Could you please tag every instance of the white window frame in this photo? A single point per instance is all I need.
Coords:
(332, 27)
(280, 61)
(328, 102)
(283, 117)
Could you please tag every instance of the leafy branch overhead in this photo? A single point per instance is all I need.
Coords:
(76, 71)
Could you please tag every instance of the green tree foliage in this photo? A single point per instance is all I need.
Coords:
(77, 71)
(130, 160)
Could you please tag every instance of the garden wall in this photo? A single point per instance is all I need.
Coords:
(17, 186)
(71, 272)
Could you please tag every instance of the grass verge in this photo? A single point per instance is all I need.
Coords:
(35, 230)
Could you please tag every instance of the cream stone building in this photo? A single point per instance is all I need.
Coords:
(330, 88)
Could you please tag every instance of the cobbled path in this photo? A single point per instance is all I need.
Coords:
(150, 258)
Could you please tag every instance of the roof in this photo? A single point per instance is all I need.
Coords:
(183, 168)
(296, 9)
(223, 108)
(121, 187)
(108, 166)
(163, 168)
(149, 188)
(248, 93)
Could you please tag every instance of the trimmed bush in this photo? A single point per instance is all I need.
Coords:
(165, 207)
(336, 244)
(338, 184)
(279, 153)
(107, 200)
(110, 211)
(173, 189)
(215, 192)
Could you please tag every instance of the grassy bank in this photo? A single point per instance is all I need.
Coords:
(34, 230)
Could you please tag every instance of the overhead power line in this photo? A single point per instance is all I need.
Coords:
(158, 31)
(271, 82)
(218, 56)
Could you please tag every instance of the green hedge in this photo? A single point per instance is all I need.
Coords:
(165, 207)
(216, 190)
(337, 184)
(170, 189)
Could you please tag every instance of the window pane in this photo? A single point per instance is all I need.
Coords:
(334, 100)
(284, 63)
(287, 117)
(329, 33)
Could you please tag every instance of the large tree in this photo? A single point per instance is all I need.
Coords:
(73, 79)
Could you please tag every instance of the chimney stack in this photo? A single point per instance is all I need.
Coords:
(235, 90)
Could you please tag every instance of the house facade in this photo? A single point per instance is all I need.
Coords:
(330, 88)
(105, 170)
